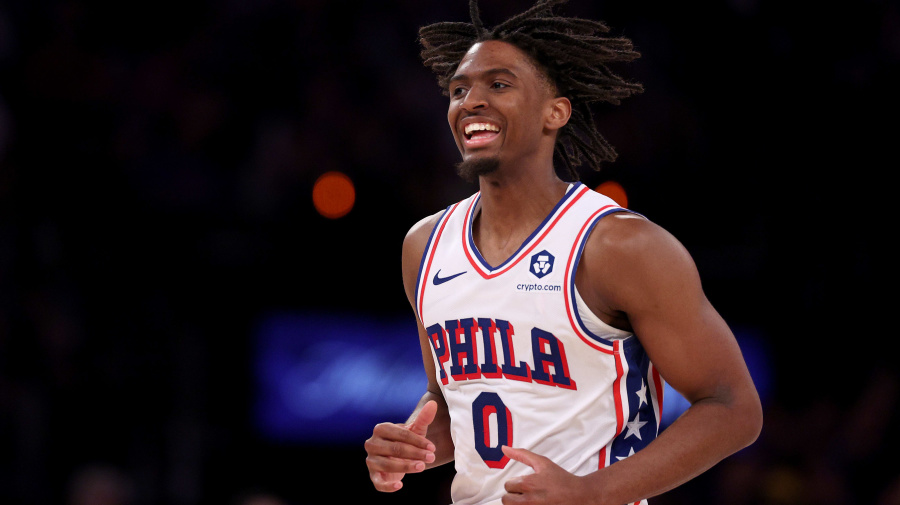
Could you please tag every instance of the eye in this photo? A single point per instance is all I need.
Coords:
(457, 91)
(499, 85)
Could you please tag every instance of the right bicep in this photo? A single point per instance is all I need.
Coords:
(413, 248)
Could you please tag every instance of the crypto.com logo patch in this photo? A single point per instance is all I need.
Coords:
(541, 264)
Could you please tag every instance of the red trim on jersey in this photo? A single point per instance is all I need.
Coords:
(617, 388)
(437, 238)
(522, 253)
(617, 398)
(658, 384)
(570, 278)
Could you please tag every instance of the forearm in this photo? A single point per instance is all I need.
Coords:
(438, 430)
(706, 433)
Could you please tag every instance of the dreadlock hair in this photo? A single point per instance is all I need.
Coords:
(572, 52)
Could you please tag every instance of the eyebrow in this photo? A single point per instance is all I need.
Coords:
(493, 71)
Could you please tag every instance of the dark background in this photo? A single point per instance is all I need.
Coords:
(156, 166)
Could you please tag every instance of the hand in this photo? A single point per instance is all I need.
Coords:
(549, 484)
(397, 449)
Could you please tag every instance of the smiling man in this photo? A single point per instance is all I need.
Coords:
(485, 132)
(550, 317)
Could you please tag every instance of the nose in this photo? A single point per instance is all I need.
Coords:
(474, 100)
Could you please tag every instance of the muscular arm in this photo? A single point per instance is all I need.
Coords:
(636, 276)
(424, 440)
(439, 431)
(634, 271)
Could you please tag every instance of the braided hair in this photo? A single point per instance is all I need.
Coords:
(572, 52)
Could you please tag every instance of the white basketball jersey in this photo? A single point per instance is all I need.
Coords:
(520, 360)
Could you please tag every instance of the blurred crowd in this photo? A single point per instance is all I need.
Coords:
(156, 162)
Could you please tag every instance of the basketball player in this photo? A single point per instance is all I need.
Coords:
(549, 316)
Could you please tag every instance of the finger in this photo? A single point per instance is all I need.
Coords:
(515, 485)
(425, 417)
(391, 433)
(394, 465)
(535, 461)
(381, 447)
(386, 482)
(396, 457)
(513, 499)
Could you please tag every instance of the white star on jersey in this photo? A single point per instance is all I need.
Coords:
(634, 427)
(642, 394)
(630, 453)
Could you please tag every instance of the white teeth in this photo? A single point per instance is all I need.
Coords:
(481, 127)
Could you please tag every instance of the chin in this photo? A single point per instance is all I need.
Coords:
(474, 167)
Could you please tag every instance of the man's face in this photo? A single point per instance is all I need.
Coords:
(498, 102)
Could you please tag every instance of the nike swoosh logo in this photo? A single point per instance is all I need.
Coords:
(440, 280)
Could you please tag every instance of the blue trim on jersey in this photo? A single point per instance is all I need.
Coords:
(540, 228)
(587, 233)
(642, 420)
(422, 262)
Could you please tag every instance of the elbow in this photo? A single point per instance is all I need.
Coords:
(758, 420)
(750, 417)
(742, 415)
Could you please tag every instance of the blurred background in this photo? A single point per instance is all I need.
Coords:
(181, 324)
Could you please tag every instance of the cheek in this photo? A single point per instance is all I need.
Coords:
(452, 113)
(451, 116)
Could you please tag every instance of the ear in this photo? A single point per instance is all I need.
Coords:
(559, 112)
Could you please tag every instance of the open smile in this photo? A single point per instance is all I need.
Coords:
(480, 134)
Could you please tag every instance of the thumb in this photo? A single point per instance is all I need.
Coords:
(425, 417)
(535, 461)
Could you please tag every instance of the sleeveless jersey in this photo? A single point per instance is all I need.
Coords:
(521, 362)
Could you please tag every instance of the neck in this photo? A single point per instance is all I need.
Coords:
(515, 195)
(511, 208)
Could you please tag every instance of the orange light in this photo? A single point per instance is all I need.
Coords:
(615, 191)
(333, 195)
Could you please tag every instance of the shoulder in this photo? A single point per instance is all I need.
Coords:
(417, 237)
(414, 247)
(624, 233)
(627, 255)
